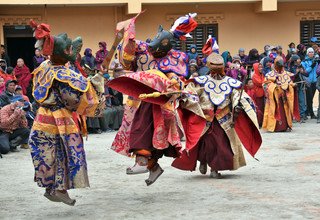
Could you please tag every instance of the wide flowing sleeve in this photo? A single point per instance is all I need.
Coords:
(90, 103)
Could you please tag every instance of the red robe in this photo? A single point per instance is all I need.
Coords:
(23, 76)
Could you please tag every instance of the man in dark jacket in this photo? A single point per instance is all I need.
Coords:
(7, 95)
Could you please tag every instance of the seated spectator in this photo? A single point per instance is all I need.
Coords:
(2, 85)
(18, 91)
(117, 104)
(7, 95)
(88, 59)
(112, 116)
(14, 126)
(38, 59)
(10, 74)
(30, 115)
(23, 75)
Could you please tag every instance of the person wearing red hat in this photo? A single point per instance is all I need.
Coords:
(65, 97)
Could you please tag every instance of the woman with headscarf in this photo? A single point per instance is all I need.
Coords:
(252, 58)
(101, 54)
(227, 58)
(88, 59)
(266, 65)
(236, 70)
(23, 75)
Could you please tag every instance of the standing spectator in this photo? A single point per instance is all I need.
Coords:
(242, 55)
(38, 59)
(300, 76)
(4, 55)
(266, 52)
(259, 99)
(318, 88)
(236, 70)
(291, 50)
(280, 53)
(7, 95)
(23, 75)
(193, 54)
(101, 54)
(301, 51)
(252, 58)
(193, 69)
(14, 131)
(227, 58)
(313, 41)
(88, 59)
(310, 65)
(266, 65)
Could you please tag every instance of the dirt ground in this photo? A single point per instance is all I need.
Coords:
(283, 184)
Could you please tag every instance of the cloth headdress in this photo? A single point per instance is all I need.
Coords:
(183, 26)
(210, 46)
(45, 41)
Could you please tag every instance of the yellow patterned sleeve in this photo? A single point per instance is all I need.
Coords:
(90, 104)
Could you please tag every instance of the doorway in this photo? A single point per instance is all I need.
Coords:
(20, 44)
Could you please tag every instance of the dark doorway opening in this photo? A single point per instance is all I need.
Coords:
(20, 44)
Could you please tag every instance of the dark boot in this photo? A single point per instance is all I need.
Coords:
(318, 116)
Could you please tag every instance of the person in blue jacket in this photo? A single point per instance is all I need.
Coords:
(310, 65)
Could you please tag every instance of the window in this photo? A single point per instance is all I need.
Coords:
(199, 37)
(309, 29)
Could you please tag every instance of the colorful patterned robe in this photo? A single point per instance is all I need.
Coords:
(171, 67)
(56, 138)
(281, 102)
(217, 98)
